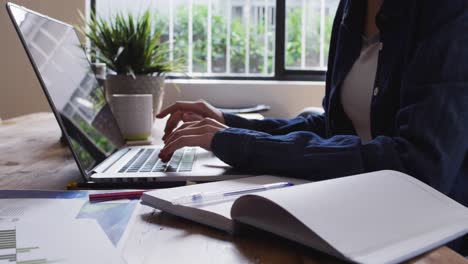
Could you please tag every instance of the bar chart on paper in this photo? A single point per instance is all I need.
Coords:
(42, 231)
(11, 253)
(12, 250)
(8, 244)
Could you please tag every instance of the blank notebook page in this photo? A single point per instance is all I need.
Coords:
(374, 216)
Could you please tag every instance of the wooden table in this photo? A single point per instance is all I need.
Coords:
(31, 157)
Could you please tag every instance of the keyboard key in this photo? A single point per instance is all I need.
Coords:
(125, 167)
(185, 166)
(136, 166)
(160, 166)
(189, 156)
(172, 166)
(171, 169)
(150, 163)
(146, 160)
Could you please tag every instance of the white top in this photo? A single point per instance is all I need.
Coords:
(358, 86)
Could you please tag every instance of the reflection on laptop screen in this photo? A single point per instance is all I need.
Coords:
(72, 87)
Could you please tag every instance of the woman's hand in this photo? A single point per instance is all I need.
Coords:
(191, 134)
(189, 112)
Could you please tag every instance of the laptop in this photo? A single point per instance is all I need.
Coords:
(85, 118)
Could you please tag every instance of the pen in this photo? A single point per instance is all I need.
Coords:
(211, 197)
(101, 197)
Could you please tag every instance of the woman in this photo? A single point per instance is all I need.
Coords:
(398, 103)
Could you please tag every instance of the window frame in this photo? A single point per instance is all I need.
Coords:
(281, 73)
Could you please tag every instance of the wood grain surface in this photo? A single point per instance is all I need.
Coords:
(31, 157)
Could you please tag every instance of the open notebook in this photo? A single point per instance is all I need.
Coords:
(379, 217)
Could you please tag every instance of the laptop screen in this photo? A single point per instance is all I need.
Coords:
(79, 101)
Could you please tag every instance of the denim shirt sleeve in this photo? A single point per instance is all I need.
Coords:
(429, 142)
(431, 139)
(299, 154)
(274, 126)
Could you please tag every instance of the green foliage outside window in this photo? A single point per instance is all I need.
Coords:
(218, 44)
(238, 38)
(294, 42)
(219, 41)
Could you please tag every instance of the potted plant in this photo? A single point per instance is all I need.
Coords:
(131, 47)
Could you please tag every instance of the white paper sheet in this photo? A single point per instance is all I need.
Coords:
(78, 241)
(46, 231)
(52, 210)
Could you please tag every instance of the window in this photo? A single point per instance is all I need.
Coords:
(241, 38)
(308, 30)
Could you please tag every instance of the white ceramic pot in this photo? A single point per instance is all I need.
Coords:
(142, 84)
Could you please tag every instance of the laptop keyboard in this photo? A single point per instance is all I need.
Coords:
(146, 160)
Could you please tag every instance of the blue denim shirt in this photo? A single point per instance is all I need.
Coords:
(419, 111)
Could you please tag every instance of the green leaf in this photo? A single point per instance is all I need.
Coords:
(130, 44)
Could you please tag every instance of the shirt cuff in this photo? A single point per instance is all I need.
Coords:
(233, 146)
(232, 120)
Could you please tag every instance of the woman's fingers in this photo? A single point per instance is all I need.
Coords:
(172, 123)
(184, 125)
(174, 120)
(189, 112)
(192, 130)
(200, 108)
(203, 141)
(197, 107)
(191, 134)
(191, 117)
(203, 122)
